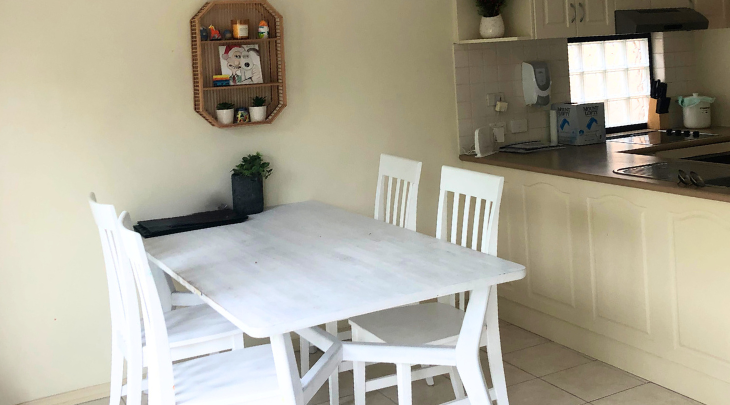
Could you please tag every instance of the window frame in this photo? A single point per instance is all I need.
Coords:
(632, 127)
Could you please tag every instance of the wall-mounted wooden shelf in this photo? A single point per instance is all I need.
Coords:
(206, 59)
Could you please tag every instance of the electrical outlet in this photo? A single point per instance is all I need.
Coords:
(518, 126)
(498, 129)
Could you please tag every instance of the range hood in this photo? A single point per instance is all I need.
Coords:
(659, 20)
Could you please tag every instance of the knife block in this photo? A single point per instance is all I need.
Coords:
(657, 121)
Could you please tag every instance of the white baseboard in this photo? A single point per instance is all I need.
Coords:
(74, 397)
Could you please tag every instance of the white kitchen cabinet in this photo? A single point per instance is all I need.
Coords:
(632, 4)
(595, 17)
(573, 18)
(555, 18)
(671, 3)
(633, 277)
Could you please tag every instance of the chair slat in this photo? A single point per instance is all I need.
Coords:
(455, 217)
(395, 202)
(488, 208)
(465, 221)
(389, 194)
(404, 203)
(475, 232)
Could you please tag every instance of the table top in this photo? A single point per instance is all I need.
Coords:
(305, 264)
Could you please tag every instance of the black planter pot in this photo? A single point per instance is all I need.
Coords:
(248, 194)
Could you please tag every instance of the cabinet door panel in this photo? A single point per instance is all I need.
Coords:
(670, 3)
(632, 4)
(596, 17)
(714, 10)
(555, 18)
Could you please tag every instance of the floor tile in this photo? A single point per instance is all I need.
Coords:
(592, 381)
(538, 392)
(423, 394)
(372, 398)
(648, 394)
(512, 374)
(515, 338)
(346, 389)
(545, 359)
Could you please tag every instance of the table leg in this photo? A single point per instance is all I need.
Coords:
(331, 328)
(286, 369)
(494, 349)
(467, 348)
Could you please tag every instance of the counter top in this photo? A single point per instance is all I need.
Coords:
(597, 163)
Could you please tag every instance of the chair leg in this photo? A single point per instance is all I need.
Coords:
(494, 350)
(335, 377)
(304, 355)
(237, 343)
(456, 384)
(115, 394)
(405, 390)
(358, 374)
(429, 380)
(134, 383)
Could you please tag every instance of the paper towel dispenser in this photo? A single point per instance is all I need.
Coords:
(536, 83)
(659, 20)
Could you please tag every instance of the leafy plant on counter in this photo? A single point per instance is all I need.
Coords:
(490, 8)
(225, 106)
(253, 166)
(259, 101)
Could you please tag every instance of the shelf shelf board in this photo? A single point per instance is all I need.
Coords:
(244, 124)
(492, 40)
(238, 41)
(243, 86)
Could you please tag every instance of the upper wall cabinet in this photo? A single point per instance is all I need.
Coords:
(572, 18)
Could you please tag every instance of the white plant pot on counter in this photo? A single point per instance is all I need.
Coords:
(258, 114)
(225, 117)
(492, 27)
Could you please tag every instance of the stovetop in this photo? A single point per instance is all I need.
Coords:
(660, 137)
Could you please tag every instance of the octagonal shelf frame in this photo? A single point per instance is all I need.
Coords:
(206, 59)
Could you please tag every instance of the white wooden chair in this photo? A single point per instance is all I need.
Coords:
(396, 202)
(193, 331)
(440, 323)
(246, 376)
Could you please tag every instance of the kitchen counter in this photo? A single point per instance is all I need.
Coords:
(597, 163)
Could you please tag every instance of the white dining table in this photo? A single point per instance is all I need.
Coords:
(296, 266)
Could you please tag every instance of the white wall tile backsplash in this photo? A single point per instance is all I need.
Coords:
(674, 63)
(483, 69)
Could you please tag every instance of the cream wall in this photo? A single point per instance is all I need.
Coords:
(96, 95)
(713, 58)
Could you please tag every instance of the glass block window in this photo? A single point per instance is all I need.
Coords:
(616, 72)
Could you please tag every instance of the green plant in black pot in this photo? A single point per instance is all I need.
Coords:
(247, 184)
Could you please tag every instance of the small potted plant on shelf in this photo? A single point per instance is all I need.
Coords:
(225, 113)
(492, 25)
(247, 183)
(258, 109)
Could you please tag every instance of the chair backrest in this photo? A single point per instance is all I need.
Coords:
(159, 362)
(396, 200)
(474, 212)
(126, 326)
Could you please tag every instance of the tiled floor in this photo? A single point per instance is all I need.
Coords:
(538, 372)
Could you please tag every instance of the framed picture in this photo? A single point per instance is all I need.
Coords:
(242, 64)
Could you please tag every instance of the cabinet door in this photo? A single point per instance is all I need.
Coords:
(596, 17)
(714, 10)
(671, 3)
(555, 18)
(632, 4)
